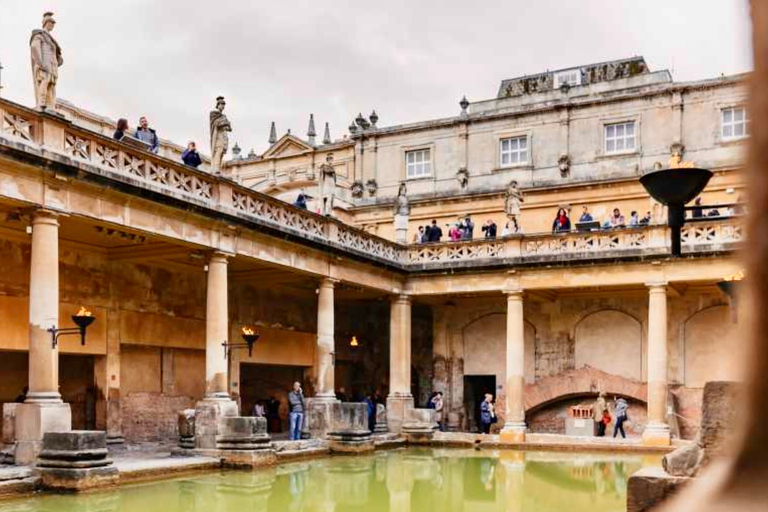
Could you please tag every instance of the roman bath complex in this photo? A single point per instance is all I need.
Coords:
(128, 278)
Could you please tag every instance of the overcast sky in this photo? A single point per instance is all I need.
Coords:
(410, 60)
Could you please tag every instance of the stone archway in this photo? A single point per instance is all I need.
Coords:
(612, 341)
(707, 346)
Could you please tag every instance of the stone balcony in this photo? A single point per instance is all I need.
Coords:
(73, 152)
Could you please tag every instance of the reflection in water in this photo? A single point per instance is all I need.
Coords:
(396, 481)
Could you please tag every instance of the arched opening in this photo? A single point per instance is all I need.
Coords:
(611, 341)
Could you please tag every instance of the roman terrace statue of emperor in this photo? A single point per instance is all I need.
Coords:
(327, 185)
(220, 129)
(512, 200)
(46, 59)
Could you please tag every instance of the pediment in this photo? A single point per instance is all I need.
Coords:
(286, 146)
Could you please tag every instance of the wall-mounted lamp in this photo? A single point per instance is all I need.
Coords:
(729, 283)
(249, 337)
(353, 342)
(82, 319)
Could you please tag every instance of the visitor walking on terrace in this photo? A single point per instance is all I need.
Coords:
(434, 233)
(455, 232)
(439, 404)
(487, 414)
(296, 408)
(147, 135)
(599, 408)
(562, 223)
(620, 412)
(190, 156)
(122, 127)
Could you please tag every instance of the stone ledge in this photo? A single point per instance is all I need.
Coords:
(649, 487)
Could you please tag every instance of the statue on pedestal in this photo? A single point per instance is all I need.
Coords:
(401, 202)
(327, 185)
(46, 59)
(220, 128)
(512, 201)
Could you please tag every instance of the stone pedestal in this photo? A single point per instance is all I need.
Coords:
(186, 421)
(317, 417)
(381, 420)
(419, 426)
(585, 427)
(401, 229)
(349, 428)
(207, 416)
(33, 421)
(243, 442)
(76, 461)
(397, 407)
(9, 423)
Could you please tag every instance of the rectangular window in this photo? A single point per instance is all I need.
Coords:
(571, 77)
(418, 164)
(620, 137)
(735, 123)
(514, 150)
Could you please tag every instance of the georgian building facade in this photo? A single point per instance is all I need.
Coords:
(543, 321)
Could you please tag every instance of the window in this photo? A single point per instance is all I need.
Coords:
(571, 77)
(514, 150)
(418, 163)
(620, 137)
(735, 123)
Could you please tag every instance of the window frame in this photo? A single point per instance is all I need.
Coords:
(519, 136)
(429, 150)
(744, 123)
(606, 124)
(557, 82)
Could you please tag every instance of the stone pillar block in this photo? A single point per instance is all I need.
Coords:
(397, 407)
(419, 426)
(207, 415)
(317, 417)
(9, 423)
(349, 428)
(649, 487)
(243, 442)
(186, 419)
(33, 421)
(381, 420)
(76, 461)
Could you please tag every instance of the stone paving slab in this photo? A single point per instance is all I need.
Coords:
(134, 468)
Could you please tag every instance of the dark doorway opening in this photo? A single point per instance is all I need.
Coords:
(475, 388)
(77, 386)
(259, 383)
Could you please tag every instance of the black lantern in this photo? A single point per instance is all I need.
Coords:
(249, 337)
(82, 319)
(674, 188)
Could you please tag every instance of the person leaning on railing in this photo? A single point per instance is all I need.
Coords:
(190, 156)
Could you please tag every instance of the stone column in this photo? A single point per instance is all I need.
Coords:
(325, 342)
(399, 400)
(514, 426)
(657, 431)
(43, 410)
(216, 402)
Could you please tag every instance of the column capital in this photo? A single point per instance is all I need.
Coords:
(401, 298)
(657, 286)
(328, 282)
(219, 257)
(514, 293)
(43, 216)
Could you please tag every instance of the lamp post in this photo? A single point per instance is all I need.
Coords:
(82, 319)
(674, 188)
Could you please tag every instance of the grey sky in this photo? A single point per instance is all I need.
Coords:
(410, 60)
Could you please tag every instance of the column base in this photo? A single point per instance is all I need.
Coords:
(207, 414)
(513, 433)
(32, 421)
(398, 406)
(656, 434)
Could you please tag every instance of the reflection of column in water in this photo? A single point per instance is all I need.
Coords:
(186, 495)
(380, 466)
(350, 478)
(245, 491)
(514, 479)
(399, 485)
(96, 502)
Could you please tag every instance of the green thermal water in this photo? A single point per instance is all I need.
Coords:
(402, 480)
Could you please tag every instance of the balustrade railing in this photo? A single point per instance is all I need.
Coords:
(26, 126)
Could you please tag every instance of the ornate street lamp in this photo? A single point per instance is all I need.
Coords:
(82, 319)
(249, 337)
(674, 188)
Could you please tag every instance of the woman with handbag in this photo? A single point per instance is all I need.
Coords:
(621, 416)
(487, 414)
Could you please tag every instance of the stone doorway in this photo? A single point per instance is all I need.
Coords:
(475, 388)
(260, 382)
(78, 388)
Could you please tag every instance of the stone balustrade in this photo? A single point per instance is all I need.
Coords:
(53, 137)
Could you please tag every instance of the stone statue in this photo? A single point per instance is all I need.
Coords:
(327, 185)
(46, 59)
(401, 202)
(462, 175)
(676, 157)
(564, 164)
(219, 134)
(512, 201)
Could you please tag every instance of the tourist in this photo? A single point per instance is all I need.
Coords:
(301, 201)
(512, 228)
(190, 156)
(646, 220)
(418, 237)
(697, 212)
(585, 215)
(617, 219)
(620, 411)
(490, 229)
(258, 410)
(634, 219)
(371, 409)
(147, 135)
(341, 394)
(122, 127)
(562, 223)
(467, 229)
(454, 233)
(296, 408)
(438, 404)
(599, 409)
(487, 414)
(714, 212)
(435, 233)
